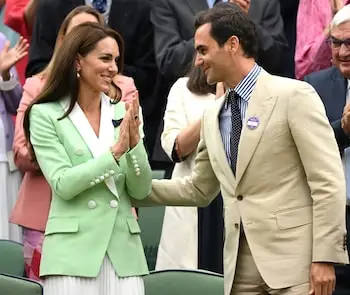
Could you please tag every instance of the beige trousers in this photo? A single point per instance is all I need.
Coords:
(248, 280)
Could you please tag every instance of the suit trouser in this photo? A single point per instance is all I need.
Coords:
(248, 280)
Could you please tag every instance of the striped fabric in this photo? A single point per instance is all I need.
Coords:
(106, 283)
(244, 89)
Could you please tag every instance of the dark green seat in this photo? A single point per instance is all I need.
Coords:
(12, 285)
(184, 282)
(11, 258)
(151, 222)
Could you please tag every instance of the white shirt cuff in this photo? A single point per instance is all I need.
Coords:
(8, 85)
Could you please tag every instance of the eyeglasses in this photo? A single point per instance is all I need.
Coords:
(337, 43)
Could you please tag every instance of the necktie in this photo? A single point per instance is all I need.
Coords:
(100, 5)
(236, 128)
(217, 1)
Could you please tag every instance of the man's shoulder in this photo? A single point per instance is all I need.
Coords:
(321, 76)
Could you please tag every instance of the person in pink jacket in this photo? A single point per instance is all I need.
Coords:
(33, 204)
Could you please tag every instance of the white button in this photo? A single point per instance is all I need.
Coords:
(137, 170)
(111, 172)
(97, 180)
(107, 175)
(102, 177)
(113, 204)
(133, 157)
(92, 204)
(134, 162)
(138, 173)
(136, 165)
(92, 183)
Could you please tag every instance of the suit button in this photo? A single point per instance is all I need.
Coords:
(107, 175)
(138, 173)
(92, 183)
(97, 180)
(113, 204)
(92, 204)
(111, 172)
(240, 198)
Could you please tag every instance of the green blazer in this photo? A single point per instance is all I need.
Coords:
(90, 214)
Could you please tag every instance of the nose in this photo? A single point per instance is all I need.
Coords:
(113, 68)
(198, 61)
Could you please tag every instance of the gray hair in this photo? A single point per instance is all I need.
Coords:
(342, 16)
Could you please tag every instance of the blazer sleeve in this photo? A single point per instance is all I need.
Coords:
(174, 117)
(44, 34)
(11, 92)
(199, 189)
(173, 54)
(66, 180)
(320, 158)
(22, 156)
(271, 37)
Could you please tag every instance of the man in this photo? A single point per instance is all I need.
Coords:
(269, 148)
(173, 29)
(333, 87)
(131, 18)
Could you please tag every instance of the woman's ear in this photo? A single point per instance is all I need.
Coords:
(78, 63)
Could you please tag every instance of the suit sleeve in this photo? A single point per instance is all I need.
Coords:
(43, 38)
(343, 140)
(66, 180)
(198, 189)
(173, 54)
(271, 37)
(318, 151)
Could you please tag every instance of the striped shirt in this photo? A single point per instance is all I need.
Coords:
(244, 89)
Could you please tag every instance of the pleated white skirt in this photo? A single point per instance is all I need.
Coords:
(9, 187)
(106, 283)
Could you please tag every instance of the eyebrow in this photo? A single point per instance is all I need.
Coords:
(109, 55)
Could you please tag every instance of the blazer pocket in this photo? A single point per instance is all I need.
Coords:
(62, 226)
(133, 225)
(294, 217)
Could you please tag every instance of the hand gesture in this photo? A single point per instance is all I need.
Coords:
(9, 57)
(123, 143)
(135, 121)
(322, 279)
(345, 121)
(243, 4)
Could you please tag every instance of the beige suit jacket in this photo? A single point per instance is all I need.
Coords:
(289, 191)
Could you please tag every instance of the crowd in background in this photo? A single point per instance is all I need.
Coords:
(294, 39)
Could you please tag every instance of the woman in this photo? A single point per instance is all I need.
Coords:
(90, 151)
(32, 208)
(10, 95)
(198, 232)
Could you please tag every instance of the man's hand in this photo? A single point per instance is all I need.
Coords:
(322, 278)
(345, 121)
(243, 4)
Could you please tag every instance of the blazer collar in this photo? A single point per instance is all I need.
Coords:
(97, 145)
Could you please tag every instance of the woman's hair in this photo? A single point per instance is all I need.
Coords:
(197, 82)
(62, 80)
(64, 27)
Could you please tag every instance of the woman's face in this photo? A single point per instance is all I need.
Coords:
(98, 67)
(81, 18)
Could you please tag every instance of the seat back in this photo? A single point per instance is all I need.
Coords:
(151, 223)
(11, 258)
(12, 285)
(184, 282)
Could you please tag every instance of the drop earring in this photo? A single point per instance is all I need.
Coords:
(78, 75)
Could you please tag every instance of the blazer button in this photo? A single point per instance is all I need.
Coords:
(92, 204)
(111, 172)
(92, 183)
(240, 198)
(113, 204)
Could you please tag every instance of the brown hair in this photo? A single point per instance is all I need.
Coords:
(62, 79)
(64, 27)
(197, 82)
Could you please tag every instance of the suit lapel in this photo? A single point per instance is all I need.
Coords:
(197, 5)
(260, 106)
(220, 150)
(338, 94)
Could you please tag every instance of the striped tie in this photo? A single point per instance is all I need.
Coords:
(236, 128)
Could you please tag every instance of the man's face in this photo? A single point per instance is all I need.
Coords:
(340, 44)
(214, 60)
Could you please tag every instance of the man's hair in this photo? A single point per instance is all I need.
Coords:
(227, 20)
(342, 16)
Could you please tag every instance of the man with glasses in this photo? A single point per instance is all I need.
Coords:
(334, 89)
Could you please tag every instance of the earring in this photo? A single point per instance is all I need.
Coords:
(78, 75)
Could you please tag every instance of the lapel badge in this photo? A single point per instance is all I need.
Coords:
(253, 123)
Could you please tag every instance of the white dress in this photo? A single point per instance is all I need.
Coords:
(10, 182)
